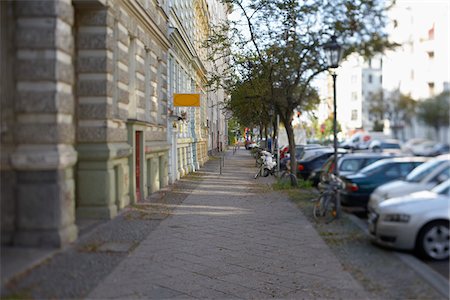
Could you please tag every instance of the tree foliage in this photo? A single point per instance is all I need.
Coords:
(398, 108)
(435, 111)
(267, 58)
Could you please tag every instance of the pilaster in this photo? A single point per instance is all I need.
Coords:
(44, 133)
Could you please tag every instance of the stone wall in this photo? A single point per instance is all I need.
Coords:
(40, 155)
(122, 90)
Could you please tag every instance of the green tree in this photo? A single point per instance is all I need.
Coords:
(398, 108)
(281, 50)
(435, 111)
(325, 130)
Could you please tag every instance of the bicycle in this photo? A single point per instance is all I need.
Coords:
(286, 175)
(328, 206)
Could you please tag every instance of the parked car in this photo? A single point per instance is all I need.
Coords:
(388, 146)
(301, 150)
(359, 140)
(423, 149)
(348, 163)
(359, 186)
(424, 177)
(418, 221)
(440, 148)
(309, 163)
(407, 147)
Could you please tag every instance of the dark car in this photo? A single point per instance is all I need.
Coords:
(359, 186)
(300, 151)
(347, 164)
(308, 164)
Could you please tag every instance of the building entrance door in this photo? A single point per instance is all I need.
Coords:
(138, 165)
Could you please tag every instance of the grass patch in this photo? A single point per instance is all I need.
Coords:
(285, 184)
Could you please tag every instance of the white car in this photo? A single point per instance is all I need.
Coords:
(424, 177)
(418, 221)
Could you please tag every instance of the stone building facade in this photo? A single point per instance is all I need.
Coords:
(84, 113)
(186, 74)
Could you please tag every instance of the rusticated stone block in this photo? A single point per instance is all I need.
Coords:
(44, 102)
(140, 67)
(65, 73)
(122, 75)
(45, 8)
(65, 41)
(122, 35)
(91, 134)
(94, 64)
(140, 85)
(95, 41)
(94, 111)
(99, 87)
(122, 56)
(36, 69)
(57, 195)
(117, 135)
(45, 133)
(35, 38)
(123, 96)
(45, 69)
(140, 100)
(96, 18)
(123, 114)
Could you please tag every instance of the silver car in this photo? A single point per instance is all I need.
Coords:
(424, 177)
(418, 221)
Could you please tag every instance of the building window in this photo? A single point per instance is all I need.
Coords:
(370, 78)
(431, 88)
(354, 114)
(430, 54)
(354, 96)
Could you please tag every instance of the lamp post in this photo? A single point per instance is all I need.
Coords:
(333, 52)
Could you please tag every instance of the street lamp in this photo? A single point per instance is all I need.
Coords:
(333, 52)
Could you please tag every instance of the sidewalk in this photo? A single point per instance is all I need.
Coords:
(210, 236)
(232, 237)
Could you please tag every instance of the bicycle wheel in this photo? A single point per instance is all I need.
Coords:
(325, 208)
(319, 207)
(259, 172)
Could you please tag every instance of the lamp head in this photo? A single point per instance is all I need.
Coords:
(334, 53)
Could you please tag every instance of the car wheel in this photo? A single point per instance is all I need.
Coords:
(433, 240)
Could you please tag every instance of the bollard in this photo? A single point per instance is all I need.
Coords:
(220, 165)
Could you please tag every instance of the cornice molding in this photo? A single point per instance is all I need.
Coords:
(148, 23)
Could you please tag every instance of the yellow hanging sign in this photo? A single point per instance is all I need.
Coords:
(186, 99)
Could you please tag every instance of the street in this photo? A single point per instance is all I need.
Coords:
(219, 236)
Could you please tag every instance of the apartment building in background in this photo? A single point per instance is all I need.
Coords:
(420, 67)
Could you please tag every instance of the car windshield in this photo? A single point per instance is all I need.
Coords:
(442, 188)
(419, 173)
(350, 165)
(372, 168)
(390, 146)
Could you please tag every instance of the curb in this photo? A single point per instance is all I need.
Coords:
(436, 280)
